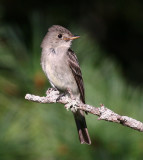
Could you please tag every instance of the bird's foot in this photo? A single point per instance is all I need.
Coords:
(52, 93)
(51, 90)
(60, 96)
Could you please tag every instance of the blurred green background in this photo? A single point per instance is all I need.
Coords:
(110, 53)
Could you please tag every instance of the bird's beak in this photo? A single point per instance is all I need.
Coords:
(71, 38)
(74, 37)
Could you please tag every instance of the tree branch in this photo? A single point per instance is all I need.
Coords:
(53, 96)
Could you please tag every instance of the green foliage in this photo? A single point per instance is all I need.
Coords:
(40, 131)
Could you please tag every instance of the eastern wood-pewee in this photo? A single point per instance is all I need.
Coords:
(61, 66)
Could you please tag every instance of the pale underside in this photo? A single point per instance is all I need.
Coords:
(57, 69)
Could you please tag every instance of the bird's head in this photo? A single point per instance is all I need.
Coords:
(58, 36)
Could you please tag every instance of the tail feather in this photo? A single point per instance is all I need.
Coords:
(81, 127)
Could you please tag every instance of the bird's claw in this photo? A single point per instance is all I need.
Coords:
(60, 96)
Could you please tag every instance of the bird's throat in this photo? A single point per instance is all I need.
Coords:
(61, 50)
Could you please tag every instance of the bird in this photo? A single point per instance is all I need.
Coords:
(61, 66)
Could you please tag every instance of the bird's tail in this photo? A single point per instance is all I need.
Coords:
(81, 127)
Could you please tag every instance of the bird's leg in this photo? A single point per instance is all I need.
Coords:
(70, 93)
(60, 96)
(72, 102)
(54, 90)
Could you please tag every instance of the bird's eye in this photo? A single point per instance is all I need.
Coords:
(60, 35)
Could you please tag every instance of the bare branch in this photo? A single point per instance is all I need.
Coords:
(53, 96)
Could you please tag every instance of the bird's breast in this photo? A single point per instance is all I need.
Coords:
(57, 69)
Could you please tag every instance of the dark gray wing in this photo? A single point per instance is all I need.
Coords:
(74, 65)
